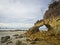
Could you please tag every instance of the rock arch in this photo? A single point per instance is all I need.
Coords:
(36, 27)
(51, 19)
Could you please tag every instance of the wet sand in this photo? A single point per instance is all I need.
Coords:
(10, 33)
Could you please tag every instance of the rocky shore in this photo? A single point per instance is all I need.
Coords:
(34, 36)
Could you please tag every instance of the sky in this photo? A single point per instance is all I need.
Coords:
(22, 11)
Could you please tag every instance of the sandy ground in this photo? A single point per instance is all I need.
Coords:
(11, 33)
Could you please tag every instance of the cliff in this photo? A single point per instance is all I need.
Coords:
(51, 20)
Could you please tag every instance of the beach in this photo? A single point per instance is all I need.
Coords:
(10, 33)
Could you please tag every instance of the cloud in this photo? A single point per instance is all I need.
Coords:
(22, 11)
(23, 26)
(20, 8)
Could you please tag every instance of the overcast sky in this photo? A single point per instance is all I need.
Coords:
(22, 11)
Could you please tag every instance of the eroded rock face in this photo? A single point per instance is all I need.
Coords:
(52, 17)
(32, 30)
(51, 20)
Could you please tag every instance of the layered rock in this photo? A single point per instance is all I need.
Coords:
(51, 20)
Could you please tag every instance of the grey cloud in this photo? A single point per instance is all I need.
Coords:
(21, 10)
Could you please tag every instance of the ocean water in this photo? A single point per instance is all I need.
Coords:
(24, 29)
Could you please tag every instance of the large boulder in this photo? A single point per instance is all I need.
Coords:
(5, 39)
